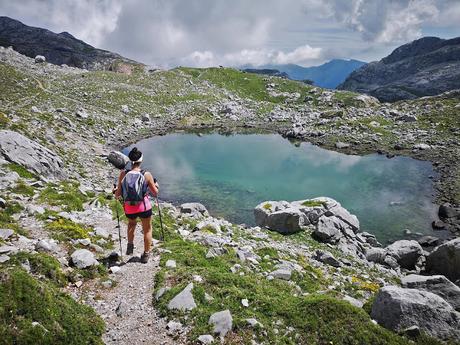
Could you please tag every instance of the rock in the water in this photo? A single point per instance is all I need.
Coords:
(183, 300)
(445, 260)
(206, 339)
(83, 258)
(21, 150)
(437, 284)
(406, 252)
(397, 309)
(222, 322)
(118, 159)
(40, 59)
(194, 209)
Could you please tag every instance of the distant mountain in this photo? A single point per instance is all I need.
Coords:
(267, 71)
(327, 75)
(427, 66)
(58, 49)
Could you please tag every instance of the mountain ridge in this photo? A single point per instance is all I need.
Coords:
(424, 67)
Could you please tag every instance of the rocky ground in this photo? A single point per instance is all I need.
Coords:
(211, 278)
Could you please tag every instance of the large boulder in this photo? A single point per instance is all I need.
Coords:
(287, 221)
(265, 209)
(328, 230)
(118, 159)
(406, 252)
(397, 309)
(445, 260)
(19, 149)
(437, 284)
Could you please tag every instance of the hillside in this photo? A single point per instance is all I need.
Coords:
(425, 67)
(209, 278)
(328, 75)
(58, 49)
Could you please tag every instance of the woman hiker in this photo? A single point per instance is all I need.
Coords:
(133, 186)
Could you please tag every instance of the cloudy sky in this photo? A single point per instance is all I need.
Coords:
(202, 33)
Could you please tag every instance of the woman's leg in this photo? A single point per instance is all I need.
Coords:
(131, 229)
(147, 229)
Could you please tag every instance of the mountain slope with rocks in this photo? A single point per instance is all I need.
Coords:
(210, 278)
(425, 67)
(58, 49)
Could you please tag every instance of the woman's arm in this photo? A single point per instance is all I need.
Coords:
(151, 183)
(118, 188)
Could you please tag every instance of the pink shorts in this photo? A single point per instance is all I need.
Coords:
(139, 208)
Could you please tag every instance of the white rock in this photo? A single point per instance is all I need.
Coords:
(171, 264)
(183, 300)
(245, 302)
(206, 339)
(83, 258)
(222, 322)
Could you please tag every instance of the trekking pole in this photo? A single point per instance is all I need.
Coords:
(118, 225)
(161, 220)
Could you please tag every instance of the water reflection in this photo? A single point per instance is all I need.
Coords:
(232, 174)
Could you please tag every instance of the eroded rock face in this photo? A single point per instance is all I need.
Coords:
(19, 149)
(445, 260)
(397, 308)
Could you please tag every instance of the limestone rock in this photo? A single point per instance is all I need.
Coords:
(445, 260)
(6, 233)
(21, 150)
(206, 339)
(184, 300)
(83, 258)
(118, 159)
(437, 284)
(397, 309)
(222, 322)
(406, 252)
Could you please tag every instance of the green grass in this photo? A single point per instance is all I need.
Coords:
(66, 230)
(22, 172)
(6, 217)
(4, 121)
(66, 195)
(61, 320)
(317, 319)
(22, 188)
(313, 203)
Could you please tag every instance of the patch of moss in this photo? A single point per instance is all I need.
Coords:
(4, 121)
(23, 188)
(66, 230)
(267, 206)
(22, 172)
(313, 203)
(6, 217)
(36, 312)
(66, 195)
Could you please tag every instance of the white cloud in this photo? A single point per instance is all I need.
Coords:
(255, 57)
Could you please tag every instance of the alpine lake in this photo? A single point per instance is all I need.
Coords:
(230, 175)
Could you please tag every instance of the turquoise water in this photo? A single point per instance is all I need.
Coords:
(230, 175)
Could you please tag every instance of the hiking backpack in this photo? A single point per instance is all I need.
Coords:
(134, 187)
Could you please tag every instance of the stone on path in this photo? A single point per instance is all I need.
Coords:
(183, 300)
(83, 258)
(222, 322)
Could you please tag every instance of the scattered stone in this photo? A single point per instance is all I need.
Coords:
(101, 232)
(254, 323)
(437, 284)
(83, 258)
(184, 300)
(327, 258)
(6, 233)
(282, 273)
(107, 284)
(214, 252)
(353, 301)
(2, 203)
(122, 308)
(161, 292)
(397, 308)
(445, 260)
(78, 284)
(174, 327)
(40, 59)
(208, 297)
(145, 118)
(34, 210)
(406, 252)
(245, 302)
(8, 249)
(115, 269)
(422, 147)
(171, 264)
(125, 109)
(47, 246)
(342, 145)
(222, 322)
(4, 258)
(206, 339)
(81, 113)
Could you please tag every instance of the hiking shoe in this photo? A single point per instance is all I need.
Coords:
(130, 249)
(145, 258)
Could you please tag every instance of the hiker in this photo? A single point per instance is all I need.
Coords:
(133, 186)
